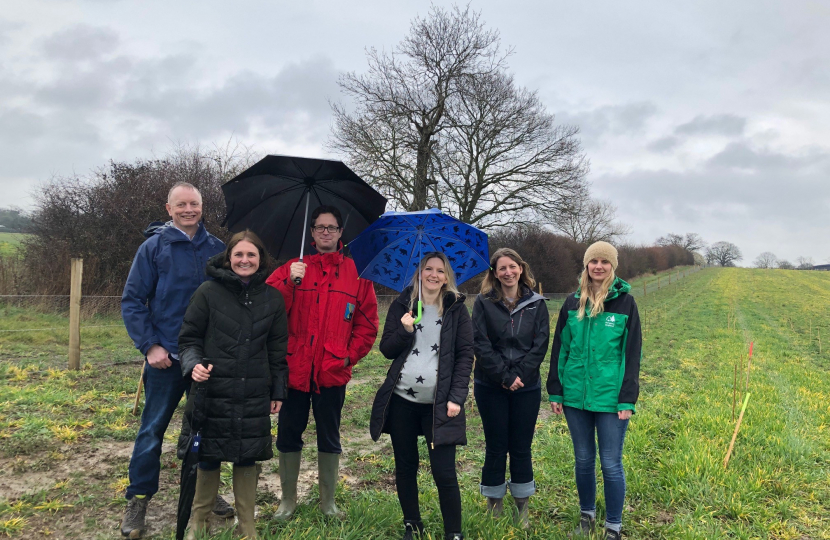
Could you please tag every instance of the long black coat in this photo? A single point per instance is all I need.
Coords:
(243, 332)
(455, 362)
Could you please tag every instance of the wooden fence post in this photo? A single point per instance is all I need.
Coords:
(75, 314)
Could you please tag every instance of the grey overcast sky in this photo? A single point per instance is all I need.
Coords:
(708, 116)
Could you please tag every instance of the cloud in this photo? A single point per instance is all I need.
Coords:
(721, 124)
(80, 42)
(624, 119)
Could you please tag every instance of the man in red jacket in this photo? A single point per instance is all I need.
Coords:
(332, 324)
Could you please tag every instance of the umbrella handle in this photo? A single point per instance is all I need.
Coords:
(420, 313)
(298, 280)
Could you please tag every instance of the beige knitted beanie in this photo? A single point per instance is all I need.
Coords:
(600, 250)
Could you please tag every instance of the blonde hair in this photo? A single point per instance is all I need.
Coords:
(449, 286)
(491, 284)
(596, 296)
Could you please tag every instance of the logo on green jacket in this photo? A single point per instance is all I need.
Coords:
(610, 321)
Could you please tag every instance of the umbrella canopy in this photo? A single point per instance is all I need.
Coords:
(187, 489)
(389, 250)
(270, 197)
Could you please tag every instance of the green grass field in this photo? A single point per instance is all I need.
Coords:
(9, 242)
(65, 437)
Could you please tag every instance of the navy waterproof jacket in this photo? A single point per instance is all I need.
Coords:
(167, 269)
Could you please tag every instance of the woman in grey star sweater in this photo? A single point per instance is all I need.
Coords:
(425, 389)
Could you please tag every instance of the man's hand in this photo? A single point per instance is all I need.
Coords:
(276, 406)
(158, 357)
(556, 407)
(200, 373)
(624, 415)
(297, 271)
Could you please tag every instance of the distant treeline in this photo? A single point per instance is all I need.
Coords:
(101, 218)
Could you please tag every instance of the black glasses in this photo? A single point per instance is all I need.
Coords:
(319, 229)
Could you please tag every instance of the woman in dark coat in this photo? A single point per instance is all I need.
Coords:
(425, 389)
(511, 328)
(234, 339)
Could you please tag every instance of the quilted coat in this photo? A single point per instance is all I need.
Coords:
(241, 330)
(455, 362)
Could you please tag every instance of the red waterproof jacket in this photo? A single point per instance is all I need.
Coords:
(332, 314)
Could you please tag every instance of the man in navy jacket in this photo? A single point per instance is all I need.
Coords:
(168, 268)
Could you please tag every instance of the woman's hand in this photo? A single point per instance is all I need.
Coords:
(200, 373)
(516, 384)
(276, 406)
(408, 322)
(624, 415)
(556, 407)
(453, 409)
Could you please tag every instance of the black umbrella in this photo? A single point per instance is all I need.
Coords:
(272, 198)
(190, 463)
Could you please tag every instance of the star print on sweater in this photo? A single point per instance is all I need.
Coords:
(411, 392)
(439, 321)
(419, 327)
(420, 370)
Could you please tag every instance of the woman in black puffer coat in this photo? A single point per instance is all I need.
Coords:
(234, 339)
(425, 389)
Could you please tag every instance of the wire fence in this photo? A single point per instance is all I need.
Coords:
(105, 311)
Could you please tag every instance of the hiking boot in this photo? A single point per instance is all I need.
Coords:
(494, 506)
(412, 528)
(132, 524)
(222, 509)
(586, 526)
(611, 534)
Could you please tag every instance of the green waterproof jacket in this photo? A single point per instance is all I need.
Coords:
(595, 362)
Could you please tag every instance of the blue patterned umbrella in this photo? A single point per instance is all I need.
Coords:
(388, 251)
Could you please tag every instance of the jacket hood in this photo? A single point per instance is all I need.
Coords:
(449, 298)
(617, 288)
(215, 269)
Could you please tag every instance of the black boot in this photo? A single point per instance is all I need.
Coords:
(412, 527)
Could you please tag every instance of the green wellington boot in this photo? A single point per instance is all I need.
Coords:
(244, 492)
(207, 486)
(328, 472)
(289, 473)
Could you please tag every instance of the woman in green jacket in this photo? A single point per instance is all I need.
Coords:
(594, 380)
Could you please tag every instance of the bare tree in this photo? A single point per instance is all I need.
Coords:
(785, 265)
(401, 102)
(766, 260)
(804, 263)
(689, 242)
(440, 123)
(723, 254)
(590, 220)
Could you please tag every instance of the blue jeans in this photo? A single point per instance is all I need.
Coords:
(610, 434)
(163, 389)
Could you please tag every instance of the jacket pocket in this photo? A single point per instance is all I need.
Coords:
(334, 373)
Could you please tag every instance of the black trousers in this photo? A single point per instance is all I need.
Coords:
(509, 420)
(293, 419)
(406, 421)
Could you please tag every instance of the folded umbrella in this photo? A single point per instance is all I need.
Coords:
(389, 250)
(187, 489)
